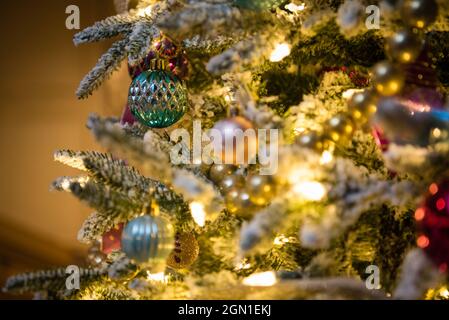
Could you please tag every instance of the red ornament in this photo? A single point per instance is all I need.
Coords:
(127, 117)
(433, 224)
(112, 239)
(166, 50)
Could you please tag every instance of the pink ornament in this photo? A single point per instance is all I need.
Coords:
(381, 141)
(112, 240)
(433, 224)
(127, 117)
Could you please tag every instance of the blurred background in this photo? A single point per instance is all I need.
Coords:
(39, 113)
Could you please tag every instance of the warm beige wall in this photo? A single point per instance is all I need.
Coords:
(39, 113)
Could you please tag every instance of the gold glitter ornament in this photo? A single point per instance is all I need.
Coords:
(185, 252)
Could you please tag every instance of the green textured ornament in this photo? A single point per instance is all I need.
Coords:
(157, 98)
(258, 4)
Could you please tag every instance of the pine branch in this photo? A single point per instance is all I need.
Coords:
(200, 18)
(74, 159)
(106, 65)
(116, 174)
(95, 226)
(107, 28)
(140, 41)
(247, 51)
(107, 200)
(53, 280)
(124, 206)
(64, 183)
(153, 161)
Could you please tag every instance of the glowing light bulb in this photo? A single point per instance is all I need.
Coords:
(420, 213)
(422, 241)
(144, 11)
(156, 277)
(299, 130)
(350, 92)
(281, 240)
(198, 213)
(65, 185)
(444, 293)
(295, 7)
(310, 190)
(262, 279)
(243, 265)
(326, 157)
(281, 50)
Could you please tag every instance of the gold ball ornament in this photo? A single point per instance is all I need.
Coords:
(219, 171)
(311, 140)
(362, 105)
(232, 182)
(419, 13)
(238, 140)
(261, 189)
(185, 252)
(340, 128)
(239, 203)
(404, 46)
(388, 79)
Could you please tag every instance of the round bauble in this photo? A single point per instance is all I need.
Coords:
(340, 128)
(388, 79)
(112, 239)
(148, 240)
(237, 140)
(157, 98)
(311, 140)
(402, 126)
(362, 105)
(419, 13)
(239, 203)
(219, 171)
(404, 46)
(234, 181)
(185, 252)
(261, 189)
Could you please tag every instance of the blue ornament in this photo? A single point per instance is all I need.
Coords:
(258, 4)
(148, 240)
(157, 98)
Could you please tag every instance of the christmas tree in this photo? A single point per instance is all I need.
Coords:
(268, 149)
